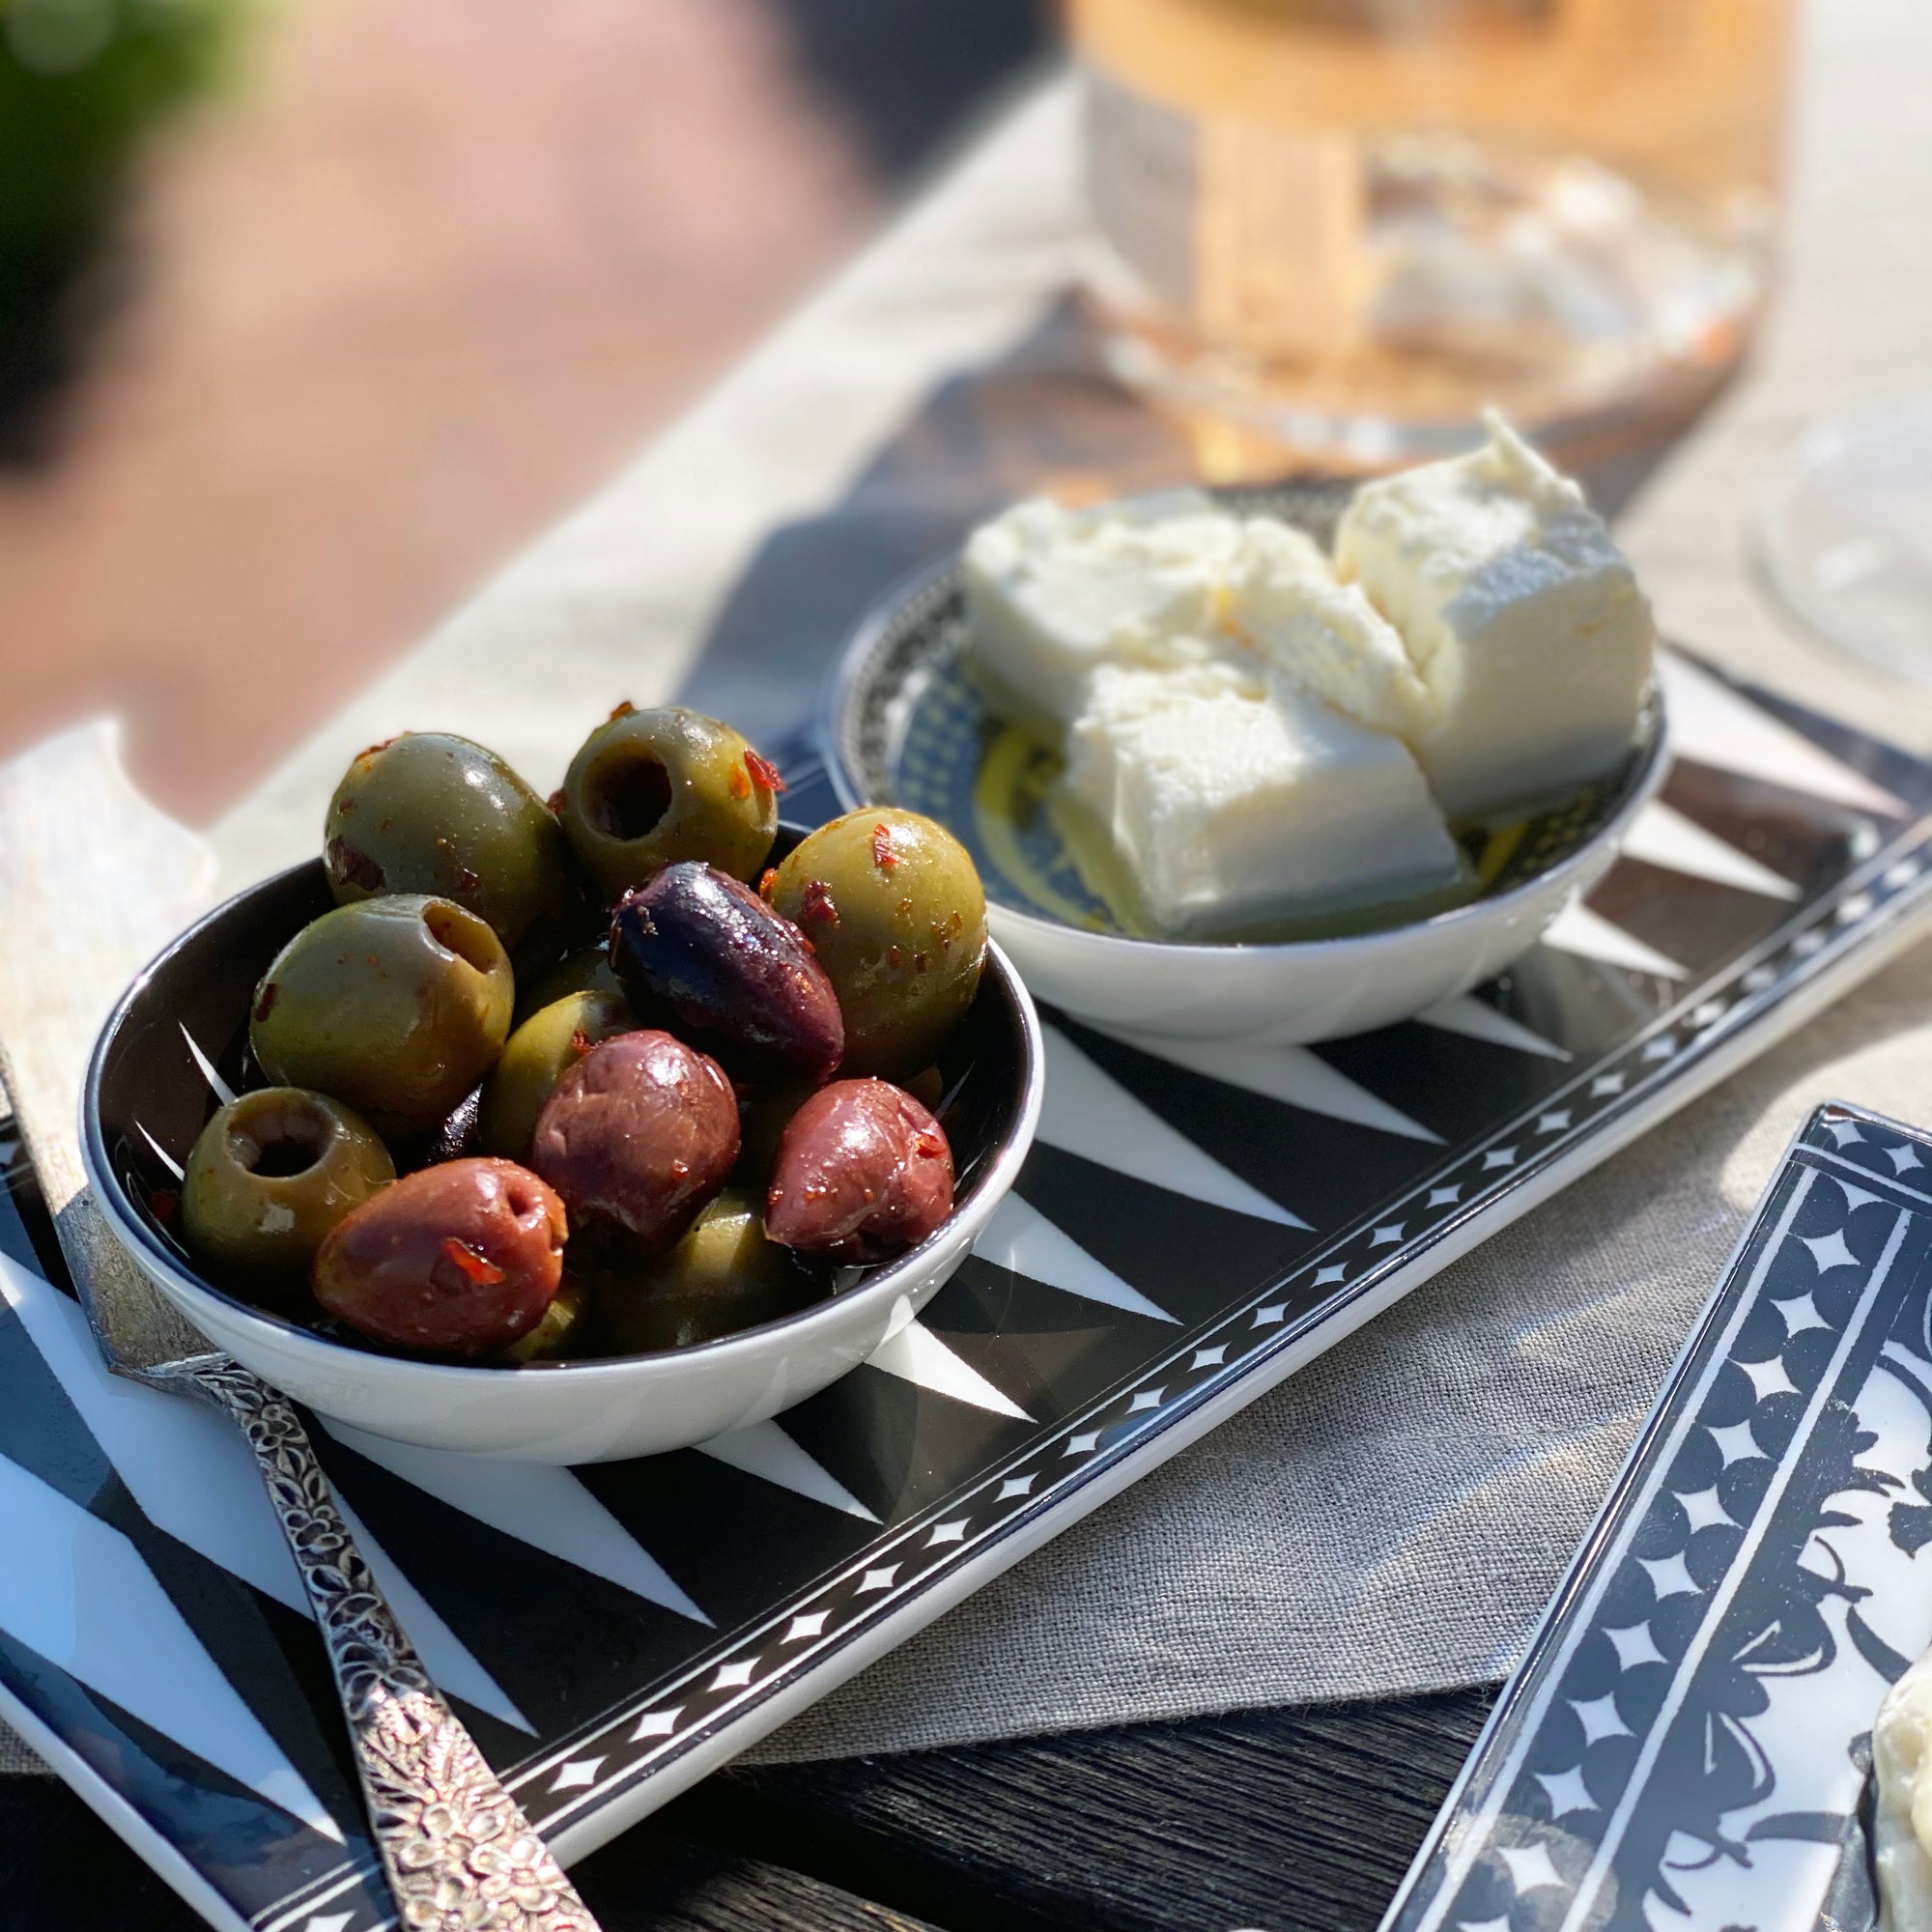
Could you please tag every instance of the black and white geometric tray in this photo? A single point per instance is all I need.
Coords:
(1686, 1742)
(1191, 1229)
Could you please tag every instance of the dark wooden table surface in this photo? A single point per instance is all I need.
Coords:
(1296, 1819)
(1289, 1820)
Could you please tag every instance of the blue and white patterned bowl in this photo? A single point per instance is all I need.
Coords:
(906, 724)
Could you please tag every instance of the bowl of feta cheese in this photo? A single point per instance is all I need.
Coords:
(1280, 763)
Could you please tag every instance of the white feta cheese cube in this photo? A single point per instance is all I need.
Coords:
(1286, 605)
(1236, 799)
(1519, 612)
(1052, 593)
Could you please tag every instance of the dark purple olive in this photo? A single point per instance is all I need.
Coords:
(700, 951)
(637, 1137)
(862, 1172)
(461, 1260)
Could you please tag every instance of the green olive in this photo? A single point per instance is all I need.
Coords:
(895, 910)
(929, 1089)
(557, 1333)
(585, 972)
(270, 1176)
(722, 1277)
(761, 1120)
(649, 787)
(428, 812)
(533, 1060)
(396, 1005)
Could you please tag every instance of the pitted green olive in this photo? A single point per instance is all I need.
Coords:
(395, 1006)
(650, 787)
(586, 971)
(533, 1060)
(557, 1334)
(722, 1277)
(270, 1174)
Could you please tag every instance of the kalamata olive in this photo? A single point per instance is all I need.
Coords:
(897, 916)
(458, 1260)
(862, 1172)
(533, 1058)
(699, 951)
(637, 1137)
(722, 1277)
(557, 1334)
(270, 1174)
(397, 1005)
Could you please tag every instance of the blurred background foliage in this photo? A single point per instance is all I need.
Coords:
(80, 82)
(312, 311)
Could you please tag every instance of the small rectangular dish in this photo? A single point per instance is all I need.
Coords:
(1687, 1744)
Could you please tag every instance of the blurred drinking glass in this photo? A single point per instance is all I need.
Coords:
(1350, 224)
(1843, 529)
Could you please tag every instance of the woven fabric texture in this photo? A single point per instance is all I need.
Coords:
(1395, 1517)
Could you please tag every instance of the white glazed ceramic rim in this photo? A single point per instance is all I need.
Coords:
(842, 693)
(989, 1186)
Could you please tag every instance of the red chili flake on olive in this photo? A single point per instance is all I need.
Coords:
(265, 1000)
(461, 1259)
(345, 806)
(815, 903)
(375, 751)
(580, 1043)
(738, 783)
(766, 881)
(358, 867)
(893, 955)
(764, 771)
(478, 1268)
(555, 801)
(624, 709)
(883, 855)
(466, 880)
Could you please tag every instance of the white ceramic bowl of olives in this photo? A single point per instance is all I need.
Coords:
(575, 1129)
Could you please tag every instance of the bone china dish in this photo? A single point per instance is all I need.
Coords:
(177, 1048)
(1220, 785)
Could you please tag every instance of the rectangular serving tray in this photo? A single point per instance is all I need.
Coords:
(1177, 1245)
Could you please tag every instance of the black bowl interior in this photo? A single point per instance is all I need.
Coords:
(186, 1018)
